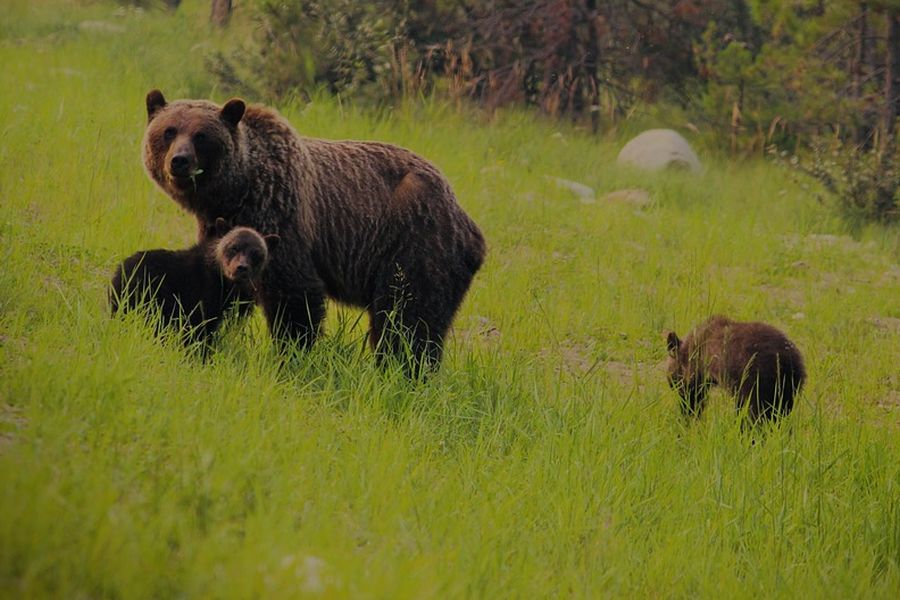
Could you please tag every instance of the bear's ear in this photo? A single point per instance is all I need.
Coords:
(155, 101)
(233, 111)
(272, 241)
(221, 227)
(672, 343)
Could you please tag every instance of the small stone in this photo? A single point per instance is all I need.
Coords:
(635, 196)
(585, 193)
(100, 27)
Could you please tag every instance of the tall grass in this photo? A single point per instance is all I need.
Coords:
(546, 458)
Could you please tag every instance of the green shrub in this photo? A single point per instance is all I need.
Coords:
(351, 48)
(865, 186)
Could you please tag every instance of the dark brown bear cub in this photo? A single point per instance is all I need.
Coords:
(368, 224)
(193, 289)
(754, 361)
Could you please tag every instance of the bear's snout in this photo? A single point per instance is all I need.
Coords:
(181, 165)
(239, 269)
(182, 162)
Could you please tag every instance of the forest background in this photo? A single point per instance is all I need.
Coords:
(812, 82)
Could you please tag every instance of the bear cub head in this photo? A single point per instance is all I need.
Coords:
(190, 145)
(243, 253)
(682, 373)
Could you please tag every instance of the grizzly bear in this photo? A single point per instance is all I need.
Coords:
(193, 289)
(755, 362)
(367, 224)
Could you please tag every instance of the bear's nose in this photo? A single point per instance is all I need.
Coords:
(241, 269)
(180, 164)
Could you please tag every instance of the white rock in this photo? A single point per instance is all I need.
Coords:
(658, 149)
(579, 189)
(101, 27)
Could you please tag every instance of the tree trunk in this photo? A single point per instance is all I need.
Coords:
(737, 114)
(221, 12)
(863, 129)
(591, 65)
(891, 64)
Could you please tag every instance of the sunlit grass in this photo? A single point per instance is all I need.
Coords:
(545, 459)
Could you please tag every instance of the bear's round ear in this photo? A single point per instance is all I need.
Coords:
(233, 111)
(221, 227)
(272, 241)
(672, 343)
(155, 101)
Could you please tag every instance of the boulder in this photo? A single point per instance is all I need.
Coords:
(658, 149)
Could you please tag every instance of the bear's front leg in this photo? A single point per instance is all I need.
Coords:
(693, 399)
(294, 319)
(292, 298)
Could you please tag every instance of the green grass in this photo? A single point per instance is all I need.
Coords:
(545, 460)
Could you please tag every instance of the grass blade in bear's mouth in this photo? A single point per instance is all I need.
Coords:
(194, 175)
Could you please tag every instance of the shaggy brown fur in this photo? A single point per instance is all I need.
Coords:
(193, 289)
(754, 361)
(368, 224)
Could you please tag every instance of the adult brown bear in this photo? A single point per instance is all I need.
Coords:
(368, 224)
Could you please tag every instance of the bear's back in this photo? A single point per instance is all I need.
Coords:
(757, 351)
(175, 281)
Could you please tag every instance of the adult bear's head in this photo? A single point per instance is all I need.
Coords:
(191, 149)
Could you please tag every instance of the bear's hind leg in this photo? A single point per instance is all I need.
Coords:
(400, 334)
(410, 328)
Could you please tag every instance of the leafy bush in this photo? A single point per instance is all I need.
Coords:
(348, 47)
(864, 185)
(169, 4)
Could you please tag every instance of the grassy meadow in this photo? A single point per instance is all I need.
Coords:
(546, 459)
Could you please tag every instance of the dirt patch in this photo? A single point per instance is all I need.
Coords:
(581, 359)
(890, 407)
(891, 401)
(634, 197)
(890, 276)
(887, 324)
(821, 241)
(12, 415)
(828, 239)
(571, 357)
(12, 420)
(792, 297)
(639, 373)
(477, 329)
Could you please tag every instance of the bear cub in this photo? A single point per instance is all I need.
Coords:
(194, 288)
(754, 361)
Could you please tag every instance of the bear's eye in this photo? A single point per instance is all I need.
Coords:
(200, 138)
(169, 134)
